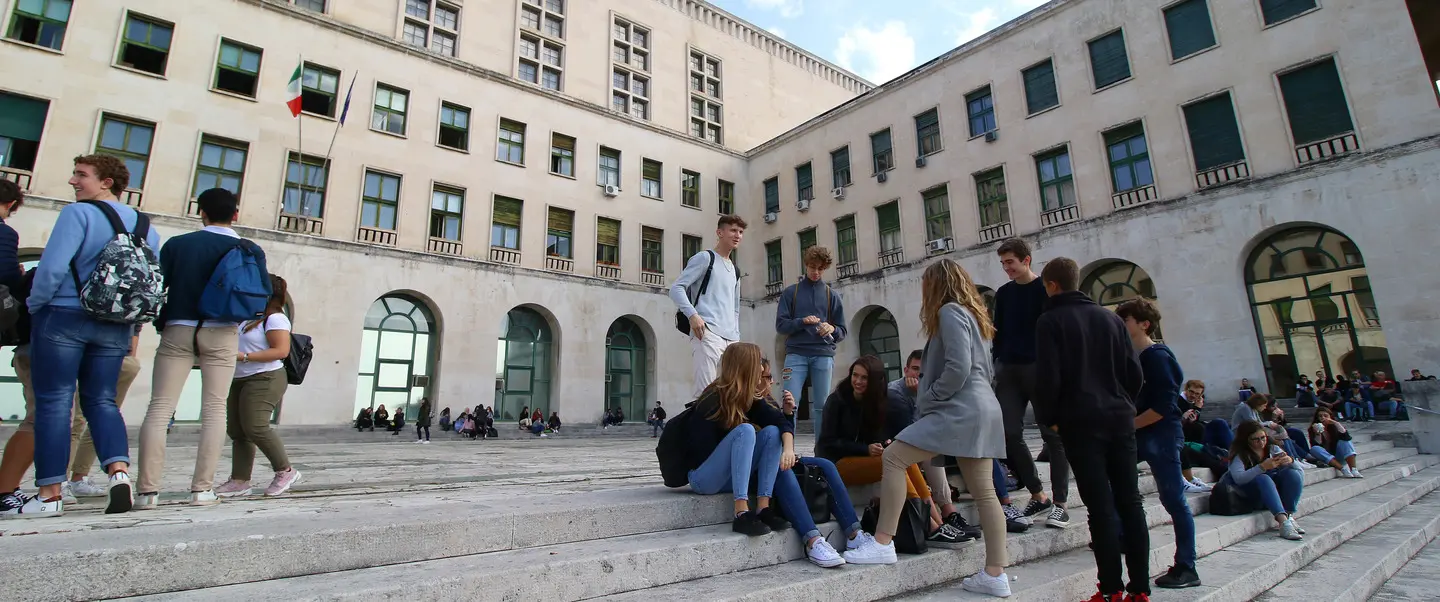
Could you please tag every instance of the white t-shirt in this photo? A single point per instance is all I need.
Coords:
(254, 341)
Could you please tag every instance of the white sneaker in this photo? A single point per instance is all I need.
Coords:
(37, 508)
(1304, 465)
(1355, 473)
(1193, 488)
(821, 554)
(1289, 531)
(871, 552)
(204, 498)
(1345, 472)
(66, 495)
(983, 583)
(121, 494)
(146, 501)
(84, 488)
(860, 538)
(1202, 484)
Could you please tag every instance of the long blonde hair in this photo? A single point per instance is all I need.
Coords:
(946, 282)
(737, 383)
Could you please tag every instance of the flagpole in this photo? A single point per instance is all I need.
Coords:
(300, 150)
(341, 122)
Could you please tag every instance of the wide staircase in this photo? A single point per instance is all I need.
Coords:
(650, 543)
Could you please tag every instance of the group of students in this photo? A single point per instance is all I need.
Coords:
(98, 281)
(478, 424)
(1356, 398)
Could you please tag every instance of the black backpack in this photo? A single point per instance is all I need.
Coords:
(671, 449)
(682, 323)
(298, 362)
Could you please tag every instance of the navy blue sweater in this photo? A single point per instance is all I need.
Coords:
(1161, 390)
(187, 261)
(704, 434)
(803, 299)
(1017, 309)
(10, 272)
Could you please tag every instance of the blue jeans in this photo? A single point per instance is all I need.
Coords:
(1343, 450)
(1162, 451)
(818, 368)
(1219, 434)
(1389, 408)
(793, 506)
(997, 474)
(656, 425)
(66, 346)
(741, 453)
(1278, 490)
(1359, 409)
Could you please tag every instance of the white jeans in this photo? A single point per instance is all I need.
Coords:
(705, 355)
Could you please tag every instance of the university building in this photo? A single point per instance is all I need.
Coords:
(517, 181)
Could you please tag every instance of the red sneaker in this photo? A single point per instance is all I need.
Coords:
(1104, 597)
(1137, 598)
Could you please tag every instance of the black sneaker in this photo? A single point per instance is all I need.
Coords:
(750, 524)
(955, 520)
(1058, 518)
(1015, 522)
(1037, 507)
(11, 503)
(1178, 577)
(947, 537)
(772, 519)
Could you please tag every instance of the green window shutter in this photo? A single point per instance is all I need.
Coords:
(1280, 10)
(1040, 92)
(1214, 135)
(927, 119)
(607, 232)
(1108, 60)
(840, 159)
(652, 235)
(22, 118)
(803, 177)
(880, 142)
(772, 195)
(1315, 101)
(1124, 132)
(1190, 29)
(650, 169)
(507, 211)
(561, 220)
(889, 216)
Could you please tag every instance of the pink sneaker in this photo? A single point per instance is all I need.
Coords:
(233, 488)
(283, 481)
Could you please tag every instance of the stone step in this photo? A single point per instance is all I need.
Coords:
(1414, 581)
(188, 434)
(1360, 566)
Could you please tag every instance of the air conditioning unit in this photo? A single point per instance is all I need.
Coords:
(992, 135)
(881, 177)
(612, 190)
(939, 245)
(802, 205)
(838, 193)
(771, 217)
(919, 162)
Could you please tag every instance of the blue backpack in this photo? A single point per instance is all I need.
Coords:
(238, 288)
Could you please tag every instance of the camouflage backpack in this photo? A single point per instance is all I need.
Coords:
(126, 286)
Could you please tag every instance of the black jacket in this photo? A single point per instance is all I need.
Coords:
(704, 435)
(846, 433)
(1087, 375)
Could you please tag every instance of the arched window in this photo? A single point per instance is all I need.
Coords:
(522, 365)
(880, 337)
(396, 351)
(1116, 282)
(1313, 308)
(988, 296)
(626, 363)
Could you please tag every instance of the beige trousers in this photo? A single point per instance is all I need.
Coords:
(976, 472)
(705, 355)
(180, 346)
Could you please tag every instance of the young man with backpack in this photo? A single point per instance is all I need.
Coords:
(707, 297)
(95, 281)
(812, 318)
(217, 280)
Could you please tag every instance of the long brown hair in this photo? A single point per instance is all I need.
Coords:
(945, 281)
(872, 404)
(1240, 448)
(275, 305)
(736, 384)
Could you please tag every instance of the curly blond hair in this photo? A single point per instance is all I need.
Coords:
(945, 281)
(819, 257)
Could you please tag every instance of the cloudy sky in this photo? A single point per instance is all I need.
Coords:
(878, 39)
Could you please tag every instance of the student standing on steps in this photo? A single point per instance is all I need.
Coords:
(1086, 378)
(1158, 435)
(812, 318)
(707, 293)
(1018, 304)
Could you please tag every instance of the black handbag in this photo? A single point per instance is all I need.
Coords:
(816, 491)
(682, 323)
(912, 529)
(1226, 499)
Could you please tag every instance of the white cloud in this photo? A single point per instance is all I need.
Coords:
(780, 33)
(878, 55)
(975, 25)
(788, 9)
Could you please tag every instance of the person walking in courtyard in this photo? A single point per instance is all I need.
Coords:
(812, 318)
(1086, 379)
(707, 294)
(657, 420)
(422, 421)
(958, 415)
(255, 394)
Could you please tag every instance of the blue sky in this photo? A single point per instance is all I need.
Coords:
(878, 39)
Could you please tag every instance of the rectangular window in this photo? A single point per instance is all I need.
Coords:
(840, 167)
(1315, 102)
(454, 126)
(607, 241)
(380, 200)
(1214, 134)
(1189, 27)
(40, 22)
(130, 141)
(510, 147)
(690, 246)
(807, 240)
(559, 232)
(1040, 90)
(937, 212)
(415, 34)
(888, 216)
(652, 250)
(1057, 186)
(705, 108)
(774, 266)
(306, 179)
(315, 5)
(690, 189)
(1276, 11)
(804, 183)
(845, 240)
(650, 178)
(629, 62)
(609, 167)
(562, 155)
(146, 44)
(390, 109)
(981, 108)
(727, 197)
(884, 157)
(238, 70)
(990, 192)
(1129, 157)
(505, 223)
(221, 165)
(1108, 61)
(772, 195)
(20, 129)
(318, 89)
(927, 132)
(447, 208)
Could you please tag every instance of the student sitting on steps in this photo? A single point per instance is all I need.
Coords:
(1330, 444)
(1266, 474)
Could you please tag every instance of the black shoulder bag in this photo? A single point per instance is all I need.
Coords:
(682, 323)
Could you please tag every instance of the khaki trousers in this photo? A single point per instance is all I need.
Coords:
(181, 347)
(247, 420)
(976, 472)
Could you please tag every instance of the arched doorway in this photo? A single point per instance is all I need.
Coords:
(396, 351)
(1313, 308)
(626, 366)
(879, 336)
(522, 364)
(1114, 282)
(988, 296)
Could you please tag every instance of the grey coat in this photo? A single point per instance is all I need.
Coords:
(957, 413)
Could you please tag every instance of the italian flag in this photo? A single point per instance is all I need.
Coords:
(292, 92)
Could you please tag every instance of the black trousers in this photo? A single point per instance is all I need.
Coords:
(425, 427)
(1014, 387)
(1103, 463)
